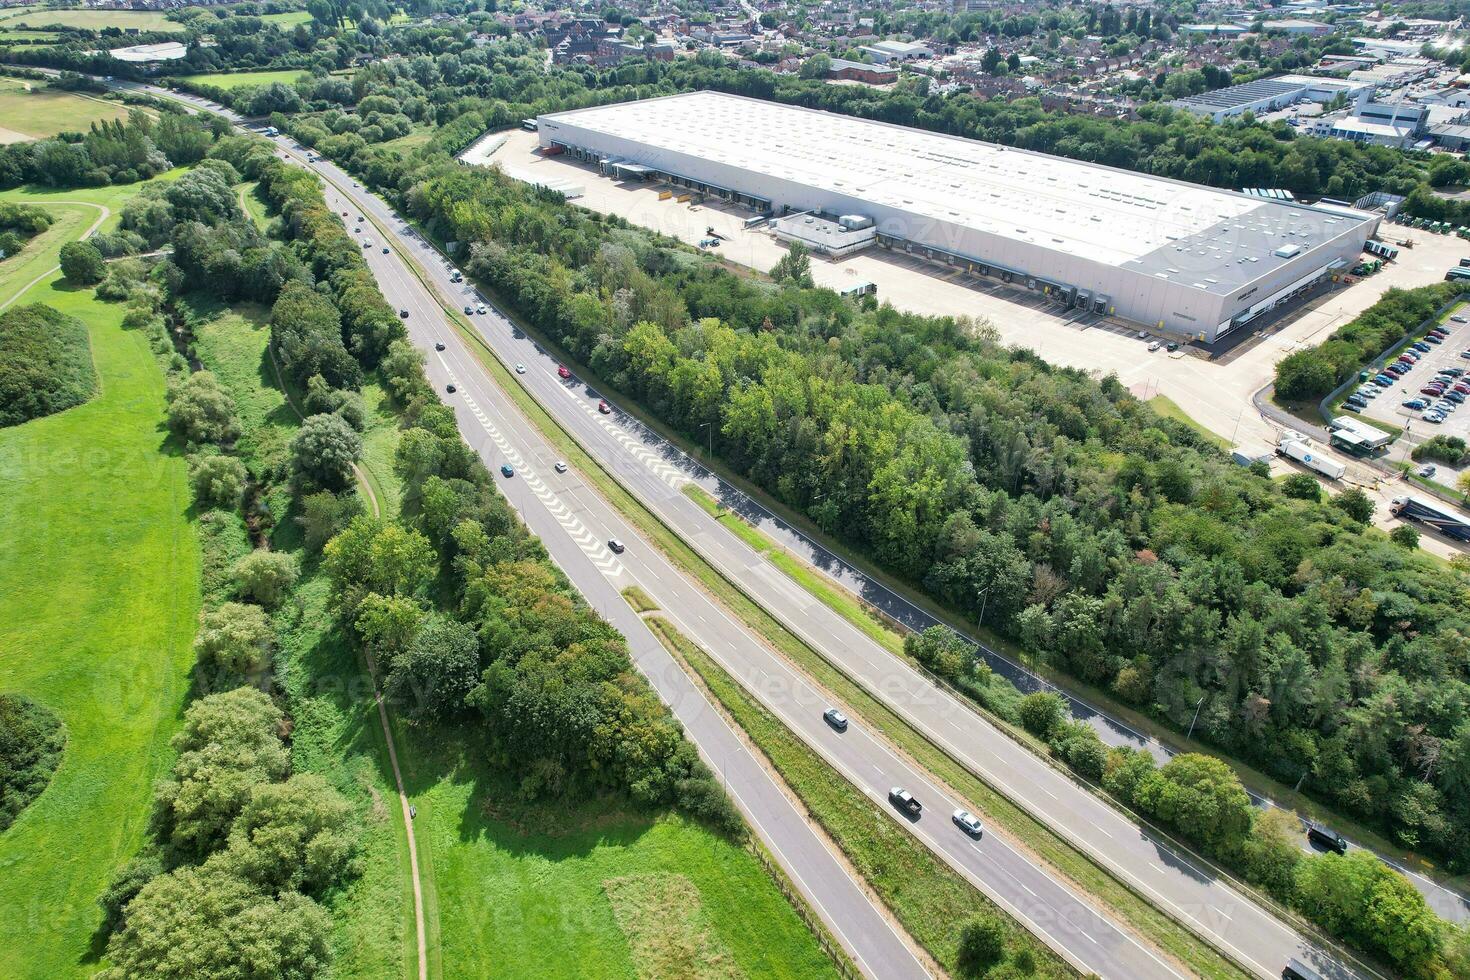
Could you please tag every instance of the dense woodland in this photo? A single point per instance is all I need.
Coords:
(45, 363)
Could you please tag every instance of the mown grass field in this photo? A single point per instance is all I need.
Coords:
(241, 79)
(288, 19)
(30, 111)
(95, 20)
(541, 892)
(99, 590)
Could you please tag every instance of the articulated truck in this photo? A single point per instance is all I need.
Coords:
(1293, 446)
(1446, 523)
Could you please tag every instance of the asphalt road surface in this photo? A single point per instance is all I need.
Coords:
(574, 521)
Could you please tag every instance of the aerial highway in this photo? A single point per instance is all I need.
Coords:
(631, 439)
(654, 472)
(1178, 882)
(576, 524)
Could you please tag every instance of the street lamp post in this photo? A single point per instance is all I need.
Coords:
(1196, 716)
(706, 425)
(984, 598)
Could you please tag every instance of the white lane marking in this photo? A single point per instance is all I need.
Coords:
(581, 535)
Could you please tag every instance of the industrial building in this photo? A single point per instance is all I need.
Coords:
(1269, 94)
(1188, 259)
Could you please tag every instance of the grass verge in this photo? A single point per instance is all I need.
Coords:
(640, 601)
(928, 897)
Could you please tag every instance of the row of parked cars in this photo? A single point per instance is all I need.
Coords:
(1444, 393)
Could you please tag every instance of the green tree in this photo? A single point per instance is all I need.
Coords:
(1042, 713)
(1273, 850)
(1359, 898)
(297, 835)
(795, 267)
(206, 922)
(82, 264)
(229, 744)
(1405, 535)
(218, 480)
(376, 556)
(1202, 797)
(941, 650)
(433, 676)
(265, 577)
(1356, 504)
(324, 514)
(323, 451)
(1302, 486)
(235, 638)
(200, 411)
(388, 624)
(123, 887)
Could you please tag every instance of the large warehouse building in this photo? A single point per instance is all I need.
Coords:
(1180, 257)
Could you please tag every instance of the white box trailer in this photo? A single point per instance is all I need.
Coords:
(1306, 454)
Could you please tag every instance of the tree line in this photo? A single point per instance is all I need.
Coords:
(110, 152)
(1107, 540)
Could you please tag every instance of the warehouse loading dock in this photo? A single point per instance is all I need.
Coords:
(1190, 260)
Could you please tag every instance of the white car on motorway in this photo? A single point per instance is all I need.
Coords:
(969, 823)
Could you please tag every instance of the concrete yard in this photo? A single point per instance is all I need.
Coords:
(1215, 392)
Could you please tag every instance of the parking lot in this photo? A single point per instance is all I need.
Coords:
(1388, 407)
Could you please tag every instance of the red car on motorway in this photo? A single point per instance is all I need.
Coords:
(603, 407)
(563, 372)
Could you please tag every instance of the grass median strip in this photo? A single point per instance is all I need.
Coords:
(927, 896)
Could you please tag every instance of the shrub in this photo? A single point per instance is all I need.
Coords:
(218, 481)
(265, 577)
(942, 651)
(1356, 504)
(1405, 535)
(236, 638)
(45, 363)
(982, 944)
(1200, 796)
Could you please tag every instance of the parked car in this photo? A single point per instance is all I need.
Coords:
(1432, 339)
(968, 822)
(905, 802)
(835, 718)
(1426, 471)
(1434, 417)
(1462, 388)
(1453, 372)
(1356, 402)
(1171, 346)
(1415, 404)
(1155, 345)
(1459, 319)
(1397, 370)
(507, 471)
(1383, 381)
(1431, 389)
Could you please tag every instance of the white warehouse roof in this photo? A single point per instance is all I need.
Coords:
(1184, 257)
(1110, 216)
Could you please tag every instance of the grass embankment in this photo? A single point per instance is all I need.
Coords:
(929, 898)
(1141, 914)
(1166, 407)
(243, 79)
(99, 590)
(33, 111)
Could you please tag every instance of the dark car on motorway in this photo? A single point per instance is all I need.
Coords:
(1325, 837)
(617, 547)
(905, 802)
(835, 718)
(1295, 969)
(507, 471)
(450, 388)
(439, 345)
